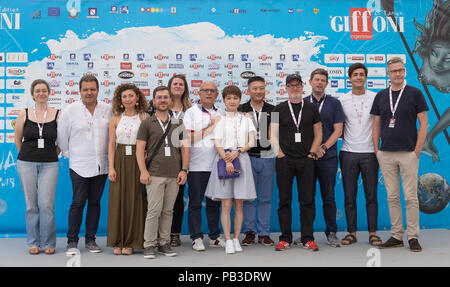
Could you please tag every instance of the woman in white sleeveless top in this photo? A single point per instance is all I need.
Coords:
(127, 204)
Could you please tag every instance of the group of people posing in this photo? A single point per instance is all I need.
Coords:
(149, 151)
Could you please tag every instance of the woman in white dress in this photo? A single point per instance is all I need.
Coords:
(127, 205)
(233, 136)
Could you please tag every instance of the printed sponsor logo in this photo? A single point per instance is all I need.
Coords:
(376, 84)
(376, 72)
(355, 58)
(335, 71)
(126, 66)
(214, 66)
(375, 58)
(196, 83)
(176, 66)
(126, 75)
(334, 58)
(247, 75)
(12, 112)
(337, 84)
(15, 71)
(15, 84)
(361, 24)
(16, 57)
(14, 98)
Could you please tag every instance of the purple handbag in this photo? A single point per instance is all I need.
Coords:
(222, 169)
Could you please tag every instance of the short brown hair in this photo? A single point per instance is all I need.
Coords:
(89, 78)
(231, 90)
(319, 71)
(37, 82)
(161, 88)
(117, 106)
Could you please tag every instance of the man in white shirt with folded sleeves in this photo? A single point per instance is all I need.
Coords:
(83, 138)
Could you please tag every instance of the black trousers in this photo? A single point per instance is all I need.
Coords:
(303, 170)
(88, 189)
(352, 164)
(178, 211)
(325, 171)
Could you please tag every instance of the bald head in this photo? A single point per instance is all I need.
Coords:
(208, 94)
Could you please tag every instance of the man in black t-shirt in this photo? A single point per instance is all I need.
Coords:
(257, 212)
(295, 136)
(396, 111)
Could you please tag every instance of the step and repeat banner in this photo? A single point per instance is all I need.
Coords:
(146, 42)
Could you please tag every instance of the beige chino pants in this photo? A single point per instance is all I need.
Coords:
(406, 164)
(161, 195)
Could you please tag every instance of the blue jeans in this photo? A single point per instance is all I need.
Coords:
(38, 181)
(263, 175)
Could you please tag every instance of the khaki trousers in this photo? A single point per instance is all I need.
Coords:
(392, 164)
(161, 195)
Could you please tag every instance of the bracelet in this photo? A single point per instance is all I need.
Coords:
(314, 155)
(324, 147)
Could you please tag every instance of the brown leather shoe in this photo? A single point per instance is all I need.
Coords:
(175, 240)
(391, 243)
(34, 250)
(414, 245)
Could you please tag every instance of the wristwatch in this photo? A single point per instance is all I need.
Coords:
(239, 151)
(313, 154)
(185, 170)
(324, 147)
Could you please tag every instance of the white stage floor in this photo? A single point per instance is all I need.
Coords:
(435, 244)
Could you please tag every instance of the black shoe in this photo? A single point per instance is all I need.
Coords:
(414, 245)
(391, 243)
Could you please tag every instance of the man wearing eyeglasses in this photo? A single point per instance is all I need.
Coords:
(165, 173)
(200, 121)
(396, 110)
(326, 165)
(296, 133)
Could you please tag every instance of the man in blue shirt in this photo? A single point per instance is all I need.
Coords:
(325, 167)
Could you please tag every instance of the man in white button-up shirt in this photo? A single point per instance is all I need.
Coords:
(83, 138)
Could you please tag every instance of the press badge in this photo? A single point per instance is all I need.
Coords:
(392, 123)
(298, 137)
(128, 150)
(40, 143)
(167, 151)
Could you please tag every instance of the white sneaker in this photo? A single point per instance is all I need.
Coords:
(197, 244)
(237, 246)
(229, 247)
(219, 242)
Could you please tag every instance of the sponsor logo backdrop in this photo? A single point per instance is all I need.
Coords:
(221, 41)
